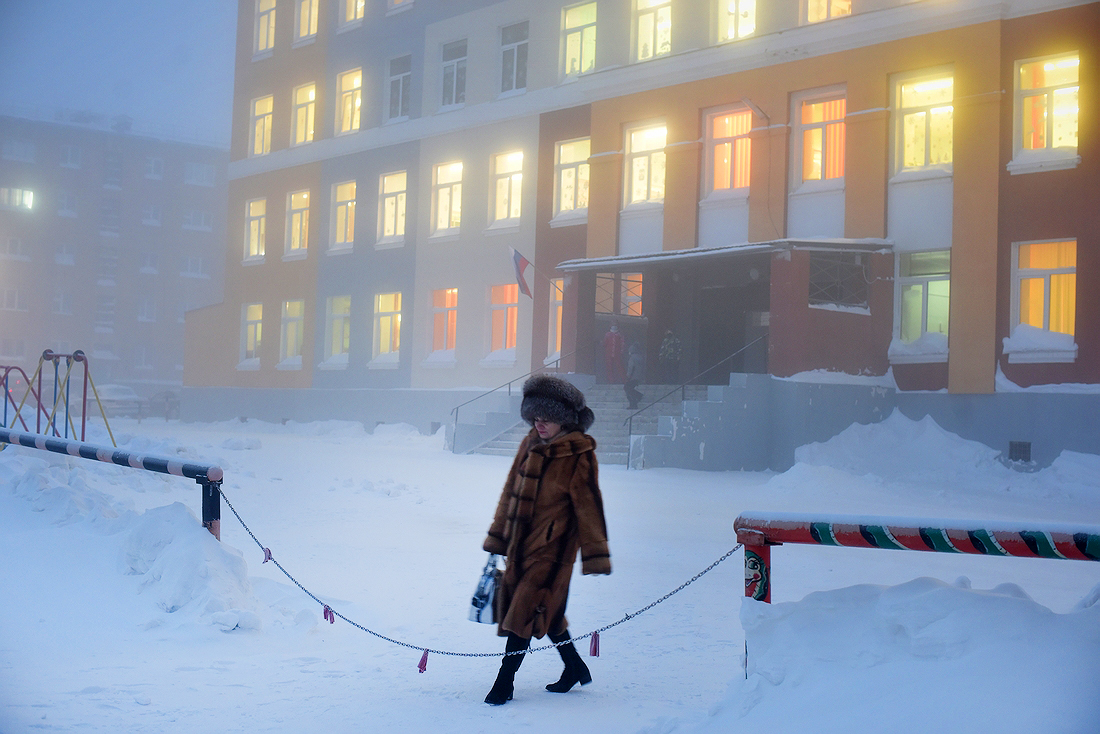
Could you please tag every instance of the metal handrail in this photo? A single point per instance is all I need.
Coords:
(629, 420)
(454, 410)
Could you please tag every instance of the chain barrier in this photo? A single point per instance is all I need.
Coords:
(331, 614)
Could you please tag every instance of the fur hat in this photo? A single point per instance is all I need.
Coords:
(553, 399)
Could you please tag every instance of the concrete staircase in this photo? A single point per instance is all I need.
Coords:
(609, 404)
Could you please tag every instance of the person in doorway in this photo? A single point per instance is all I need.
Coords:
(614, 345)
(635, 366)
(550, 508)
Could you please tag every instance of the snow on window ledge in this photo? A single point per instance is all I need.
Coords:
(570, 217)
(387, 361)
(929, 348)
(858, 310)
(1029, 344)
(552, 360)
(500, 358)
(440, 359)
(249, 365)
(1035, 161)
(290, 363)
(335, 362)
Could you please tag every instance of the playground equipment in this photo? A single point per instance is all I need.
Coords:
(759, 532)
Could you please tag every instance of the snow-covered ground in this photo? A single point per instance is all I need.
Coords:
(119, 613)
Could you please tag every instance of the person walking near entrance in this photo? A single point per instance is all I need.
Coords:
(550, 508)
(614, 346)
(635, 367)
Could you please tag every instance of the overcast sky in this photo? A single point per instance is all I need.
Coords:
(168, 65)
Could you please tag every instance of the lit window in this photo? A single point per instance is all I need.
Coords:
(819, 10)
(305, 98)
(251, 330)
(338, 329)
(400, 87)
(557, 298)
(580, 39)
(154, 168)
(387, 325)
(290, 341)
(923, 115)
(343, 214)
(255, 228)
(507, 186)
(571, 176)
(653, 28)
(454, 73)
(630, 294)
(822, 126)
(505, 316)
(350, 84)
(445, 318)
(392, 204)
(261, 125)
(16, 198)
(513, 57)
(352, 10)
(645, 164)
(740, 18)
(1046, 103)
(729, 149)
(924, 294)
(305, 26)
(297, 222)
(1045, 285)
(447, 196)
(265, 25)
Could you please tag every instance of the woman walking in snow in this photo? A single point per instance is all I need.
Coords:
(550, 508)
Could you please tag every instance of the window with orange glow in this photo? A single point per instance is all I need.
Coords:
(504, 300)
(1046, 283)
(822, 124)
(445, 318)
(729, 149)
(557, 297)
(819, 10)
(1046, 102)
(630, 294)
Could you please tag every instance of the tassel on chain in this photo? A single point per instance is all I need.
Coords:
(423, 662)
(594, 646)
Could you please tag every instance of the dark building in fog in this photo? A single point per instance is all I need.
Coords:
(107, 237)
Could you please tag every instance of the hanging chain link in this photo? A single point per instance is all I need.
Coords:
(552, 646)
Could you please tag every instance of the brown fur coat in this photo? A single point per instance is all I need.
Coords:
(550, 507)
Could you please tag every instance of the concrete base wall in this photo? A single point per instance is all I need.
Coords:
(758, 421)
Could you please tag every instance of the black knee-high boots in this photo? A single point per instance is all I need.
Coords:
(505, 682)
(575, 670)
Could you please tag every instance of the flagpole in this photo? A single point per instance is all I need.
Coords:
(538, 272)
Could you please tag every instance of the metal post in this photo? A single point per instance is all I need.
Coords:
(212, 507)
(758, 572)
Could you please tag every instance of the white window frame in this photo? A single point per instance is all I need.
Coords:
(297, 225)
(199, 174)
(349, 107)
(198, 220)
(62, 302)
(351, 13)
(740, 146)
(503, 322)
(264, 29)
(194, 266)
(386, 347)
(1048, 158)
(445, 315)
(900, 352)
(343, 216)
(1063, 347)
(899, 113)
(798, 130)
(554, 331)
(580, 171)
(453, 191)
(255, 230)
(514, 53)
(399, 91)
(147, 311)
(16, 198)
(506, 189)
(291, 334)
(11, 299)
(393, 200)
(650, 11)
(305, 21)
(581, 35)
(303, 114)
(251, 335)
(454, 94)
(650, 155)
(70, 156)
(154, 168)
(259, 138)
(833, 9)
(337, 332)
(736, 19)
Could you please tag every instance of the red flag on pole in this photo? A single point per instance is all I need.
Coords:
(521, 263)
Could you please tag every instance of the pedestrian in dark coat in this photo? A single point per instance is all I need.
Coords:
(550, 508)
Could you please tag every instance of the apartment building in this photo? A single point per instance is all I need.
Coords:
(871, 188)
(107, 238)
